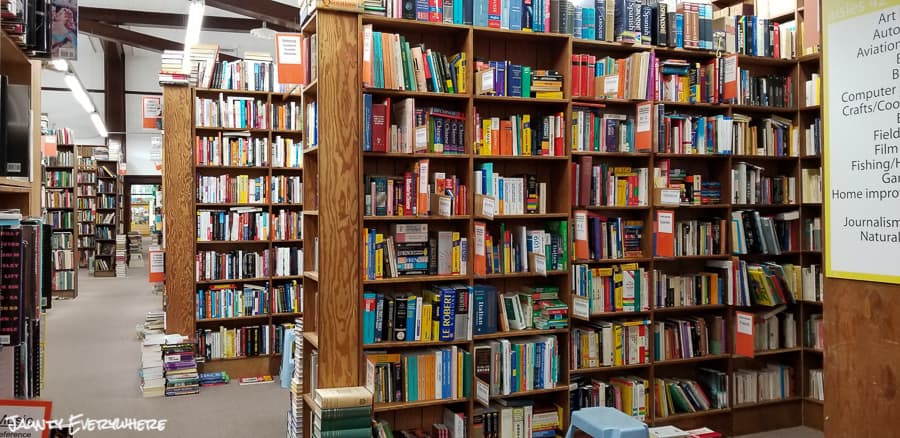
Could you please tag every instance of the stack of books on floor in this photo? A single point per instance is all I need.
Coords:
(342, 413)
(121, 265)
(295, 414)
(214, 379)
(674, 432)
(154, 324)
(181, 369)
(153, 384)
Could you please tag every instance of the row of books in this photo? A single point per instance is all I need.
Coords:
(519, 416)
(756, 234)
(813, 332)
(509, 366)
(287, 189)
(63, 280)
(231, 265)
(681, 396)
(410, 250)
(629, 394)
(605, 184)
(432, 374)
(180, 366)
(502, 249)
(619, 288)
(59, 219)
(58, 179)
(693, 189)
(232, 189)
(519, 135)
(599, 237)
(812, 183)
(817, 384)
(421, 191)
(689, 337)
(391, 61)
(232, 112)
(344, 412)
(238, 223)
(61, 241)
(518, 195)
(600, 130)
(105, 233)
(774, 330)
(232, 301)
(106, 201)
(63, 259)
(84, 191)
(87, 177)
(751, 187)
(58, 199)
(287, 152)
(106, 186)
(503, 78)
(399, 126)
(248, 341)
(61, 159)
(232, 150)
(442, 313)
(610, 343)
(774, 382)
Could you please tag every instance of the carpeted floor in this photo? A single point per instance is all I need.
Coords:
(93, 358)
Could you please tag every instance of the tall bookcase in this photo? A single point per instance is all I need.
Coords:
(191, 171)
(107, 217)
(60, 205)
(336, 168)
(86, 204)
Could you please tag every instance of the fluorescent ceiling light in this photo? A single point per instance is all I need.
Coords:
(78, 92)
(192, 33)
(59, 64)
(99, 125)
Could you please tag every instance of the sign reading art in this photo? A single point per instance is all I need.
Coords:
(861, 60)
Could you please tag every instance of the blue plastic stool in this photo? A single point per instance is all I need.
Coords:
(606, 423)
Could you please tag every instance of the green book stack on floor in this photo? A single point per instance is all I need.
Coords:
(342, 412)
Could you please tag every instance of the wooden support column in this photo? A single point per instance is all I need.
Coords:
(178, 205)
(114, 73)
(339, 193)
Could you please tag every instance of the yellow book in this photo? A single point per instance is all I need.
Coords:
(618, 348)
(486, 125)
(617, 284)
(455, 254)
(548, 94)
(426, 320)
(626, 388)
(713, 286)
(365, 244)
(460, 357)
(379, 255)
(526, 134)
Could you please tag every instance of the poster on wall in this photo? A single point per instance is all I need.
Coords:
(25, 418)
(862, 139)
(151, 112)
(288, 58)
(64, 29)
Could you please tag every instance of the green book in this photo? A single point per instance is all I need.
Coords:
(467, 374)
(329, 414)
(405, 62)
(526, 81)
(363, 432)
(343, 423)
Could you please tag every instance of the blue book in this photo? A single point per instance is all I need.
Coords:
(501, 75)
(479, 311)
(646, 22)
(588, 21)
(480, 14)
(447, 325)
(515, 80)
(679, 30)
(371, 254)
(411, 318)
(527, 15)
(422, 8)
(486, 176)
(504, 14)
(368, 319)
(379, 317)
(620, 25)
(446, 360)
(515, 14)
(377, 66)
(514, 366)
(412, 378)
(600, 19)
(458, 11)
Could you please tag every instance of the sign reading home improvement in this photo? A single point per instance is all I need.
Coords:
(862, 138)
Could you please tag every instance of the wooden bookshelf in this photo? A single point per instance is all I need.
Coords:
(60, 202)
(106, 225)
(86, 205)
(181, 205)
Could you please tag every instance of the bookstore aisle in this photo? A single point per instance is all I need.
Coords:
(93, 358)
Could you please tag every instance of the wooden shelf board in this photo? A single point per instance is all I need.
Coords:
(764, 206)
(680, 417)
(287, 131)
(234, 318)
(398, 406)
(696, 257)
(416, 218)
(623, 314)
(241, 280)
(697, 206)
(520, 275)
(766, 403)
(417, 279)
(709, 357)
(230, 205)
(311, 275)
(287, 277)
(413, 344)
(233, 242)
(415, 94)
(312, 338)
(287, 204)
(744, 60)
(813, 57)
(611, 154)
(533, 392)
(287, 169)
(688, 309)
(229, 167)
(777, 352)
(612, 369)
(521, 157)
(764, 109)
(286, 314)
(811, 108)
(692, 156)
(286, 241)
(500, 217)
(520, 100)
(311, 89)
(10, 182)
(813, 400)
(613, 207)
(228, 91)
(612, 261)
(225, 359)
(765, 157)
(519, 334)
(414, 156)
(412, 25)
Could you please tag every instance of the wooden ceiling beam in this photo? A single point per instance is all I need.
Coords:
(167, 20)
(108, 32)
(278, 14)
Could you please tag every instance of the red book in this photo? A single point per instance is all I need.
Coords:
(407, 194)
(494, 13)
(379, 128)
(573, 183)
(589, 68)
(584, 185)
(577, 72)
(558, 136)
(506, 138)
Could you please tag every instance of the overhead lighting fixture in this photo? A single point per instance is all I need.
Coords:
(78, 92)
(99, 125)
(192, 33)
(59, 64)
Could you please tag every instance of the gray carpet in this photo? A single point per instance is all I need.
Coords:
(93, 358)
